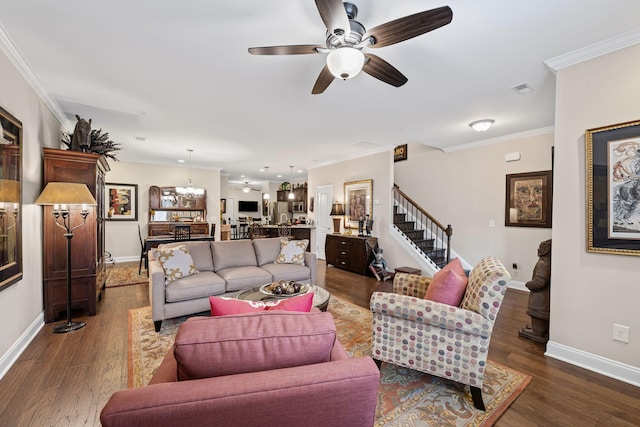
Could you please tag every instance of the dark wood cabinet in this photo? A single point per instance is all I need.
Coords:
(168, 208)
(352, 253)
(88, 275)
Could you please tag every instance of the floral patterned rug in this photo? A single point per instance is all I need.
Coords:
(406, 398)
(125, 274)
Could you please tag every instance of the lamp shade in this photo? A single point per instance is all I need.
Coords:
(337, 209)
(345, 62)
(65, 193)
(9, 191)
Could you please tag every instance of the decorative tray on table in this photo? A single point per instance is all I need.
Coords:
(284, 288)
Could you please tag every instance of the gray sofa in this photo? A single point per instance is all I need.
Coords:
(224, 269)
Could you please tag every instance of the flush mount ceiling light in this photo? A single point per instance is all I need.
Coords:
(345, 62)
(481, 125)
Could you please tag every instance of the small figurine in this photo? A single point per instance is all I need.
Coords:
(379, 266)
(361, 227)
(368, 224)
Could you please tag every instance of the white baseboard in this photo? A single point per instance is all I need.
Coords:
(514, 284)
(127, 258)
(601, 365)
(9, 358)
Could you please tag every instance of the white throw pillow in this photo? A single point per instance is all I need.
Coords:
(292, 251)
(176, 263)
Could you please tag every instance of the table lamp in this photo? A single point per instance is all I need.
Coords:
(60, 195)
(337, 211)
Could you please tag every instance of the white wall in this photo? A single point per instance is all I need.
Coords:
(21, 306)
(122, 237)
(466, 189)
(589, 291)
(379, 168)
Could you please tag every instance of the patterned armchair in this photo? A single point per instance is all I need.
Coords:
(438, 339)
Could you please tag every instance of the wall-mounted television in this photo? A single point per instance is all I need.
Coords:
(247, 206)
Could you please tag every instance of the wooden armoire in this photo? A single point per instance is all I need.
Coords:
(88, 273)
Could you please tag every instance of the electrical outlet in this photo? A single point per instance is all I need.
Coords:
(620, 333)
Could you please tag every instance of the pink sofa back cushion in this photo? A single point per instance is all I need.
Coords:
(208, 347)
(448, 285)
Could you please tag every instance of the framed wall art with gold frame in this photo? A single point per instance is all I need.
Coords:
(613, 188)
(358, 201)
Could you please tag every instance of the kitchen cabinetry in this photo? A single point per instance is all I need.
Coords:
(168, 208)
(352, 253)
(300, 195)
(88, 273)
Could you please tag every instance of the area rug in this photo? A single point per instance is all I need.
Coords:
(405, 398)
(125, 274)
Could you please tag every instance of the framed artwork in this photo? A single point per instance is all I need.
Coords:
(400, 153)
(121, 202)
(529, 198)
(358, 201)
(613, 189)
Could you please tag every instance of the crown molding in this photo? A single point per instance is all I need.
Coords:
(594, 50)
(499, 139)
(9, 48)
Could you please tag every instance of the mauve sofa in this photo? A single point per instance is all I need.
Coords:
(224, 268)
(259, 369)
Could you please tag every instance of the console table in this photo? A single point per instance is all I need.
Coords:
(352, 253)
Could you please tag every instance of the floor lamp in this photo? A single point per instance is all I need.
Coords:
(337, 211)
(60, 195)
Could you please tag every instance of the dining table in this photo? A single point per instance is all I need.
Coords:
(153, 241)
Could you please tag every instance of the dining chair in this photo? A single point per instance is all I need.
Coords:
(284, 230)
(182, 232)
(143, 254)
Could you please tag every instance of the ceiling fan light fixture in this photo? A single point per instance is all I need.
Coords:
(481, 125)
(246, 189)
(345, 62)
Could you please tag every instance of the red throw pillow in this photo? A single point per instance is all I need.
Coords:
(221, 306)
(448, 285)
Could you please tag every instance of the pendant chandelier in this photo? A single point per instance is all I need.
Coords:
(190, 190)
(291, 195)
(265, 196)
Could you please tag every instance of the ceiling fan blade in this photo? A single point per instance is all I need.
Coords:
(382, 70)
(402, 29)
(299, 49)
(334, 16)
(324, 80)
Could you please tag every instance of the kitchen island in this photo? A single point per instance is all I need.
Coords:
(298, 232)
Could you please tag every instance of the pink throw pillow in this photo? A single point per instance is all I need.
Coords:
(448, 285)
(221, 306)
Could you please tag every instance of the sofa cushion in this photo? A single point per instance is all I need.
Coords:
(244, 277)
(221, 306)
(201, 285)
(299, 273)
(237, 253)
(215, 346)
(267, 250)
(292, 251)
(448, 285)
(199, 251)
(176, 262)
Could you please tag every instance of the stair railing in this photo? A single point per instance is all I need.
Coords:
(434, 230)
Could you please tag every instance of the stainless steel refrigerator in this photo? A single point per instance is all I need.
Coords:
(280, 212)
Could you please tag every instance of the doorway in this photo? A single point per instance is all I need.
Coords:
(324, 196)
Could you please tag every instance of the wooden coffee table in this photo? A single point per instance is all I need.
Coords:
(320, 296)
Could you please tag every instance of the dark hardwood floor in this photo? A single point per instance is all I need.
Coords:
(65, 380)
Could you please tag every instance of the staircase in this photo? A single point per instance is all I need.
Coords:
(428, 236)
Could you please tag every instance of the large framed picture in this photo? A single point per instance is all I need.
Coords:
(358, 201)
(121, 202)
(613, 189)
(529, 199)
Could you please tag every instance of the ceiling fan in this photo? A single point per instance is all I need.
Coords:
(346, 38)
(246, 188)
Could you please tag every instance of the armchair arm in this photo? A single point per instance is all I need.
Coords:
(410, 284)
(430, 313)
(156, 289)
